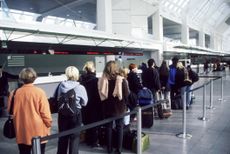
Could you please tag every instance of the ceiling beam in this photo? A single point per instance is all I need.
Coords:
(67, 6)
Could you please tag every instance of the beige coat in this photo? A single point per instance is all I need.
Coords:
(31, 112)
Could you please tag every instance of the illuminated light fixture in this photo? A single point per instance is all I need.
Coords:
(51, 51)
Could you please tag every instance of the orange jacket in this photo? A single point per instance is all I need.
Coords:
(31, 113)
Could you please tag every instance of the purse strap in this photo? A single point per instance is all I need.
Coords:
(12, 102)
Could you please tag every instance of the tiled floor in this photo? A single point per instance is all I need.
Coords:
(208, 137)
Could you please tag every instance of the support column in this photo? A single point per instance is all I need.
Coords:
(212, 41)
(157, 56)
(104, 15)
(201, 39)
(184, 32)
(157, 22)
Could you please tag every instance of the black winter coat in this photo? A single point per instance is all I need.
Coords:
(134, 82)
(112, 106)
(151, 80)
(179, 79)
(92, 111)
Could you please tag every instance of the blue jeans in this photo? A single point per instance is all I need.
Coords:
(188, 94)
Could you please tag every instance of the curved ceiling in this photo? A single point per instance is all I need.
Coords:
(214, 14)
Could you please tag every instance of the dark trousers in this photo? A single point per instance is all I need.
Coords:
(119, 136)
(26, 149)
(173, 91)
(69, 141)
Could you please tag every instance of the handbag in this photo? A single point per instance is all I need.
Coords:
(8, 129)
(163, 108)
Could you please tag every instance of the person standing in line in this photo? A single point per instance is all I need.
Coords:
(71, 142)
(150, 78)
(182, 82)
(172, 78)
(164, 75)
(113, 91)
(4, 88)
(31, 112)
(92, 111)
(133, 79)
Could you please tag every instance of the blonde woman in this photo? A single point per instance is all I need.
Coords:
(113, 91)
(31, 112)
(71, 142)
(92, 112)
(182, 82)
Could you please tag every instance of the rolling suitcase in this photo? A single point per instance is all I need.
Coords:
(145, 97)
(147, 118)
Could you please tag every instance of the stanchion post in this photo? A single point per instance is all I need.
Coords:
(203, 118)
(222, 90)
(139, 150)
(36, 145)
(211, 96)
(184, 135)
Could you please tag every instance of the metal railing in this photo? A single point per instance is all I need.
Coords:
(184, 134)
(37, 139)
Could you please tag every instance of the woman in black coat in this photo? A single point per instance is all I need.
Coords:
(113, 91)
(92, 112)
(133, 79)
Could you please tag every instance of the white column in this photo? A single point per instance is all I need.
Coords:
(212, 41)
(157, 22)
(104, 15)
(201, 39)
(157, 56)
(184, 32)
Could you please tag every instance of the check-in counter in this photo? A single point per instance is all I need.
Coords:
(49, 83)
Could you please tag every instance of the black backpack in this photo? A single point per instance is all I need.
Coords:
(67, 104)
(194, 76)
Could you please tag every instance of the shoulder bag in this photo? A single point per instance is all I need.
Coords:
(8, 129)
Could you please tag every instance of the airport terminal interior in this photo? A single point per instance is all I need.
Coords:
(52, 35)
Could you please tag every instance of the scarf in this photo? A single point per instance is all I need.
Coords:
(103, 88)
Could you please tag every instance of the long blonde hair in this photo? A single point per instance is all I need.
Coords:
(111, 70)
(180, 65)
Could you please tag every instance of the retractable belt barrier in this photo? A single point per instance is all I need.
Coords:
(203, 118)
(37, 140)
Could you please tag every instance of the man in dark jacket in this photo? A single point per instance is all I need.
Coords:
(4, 89)
(150, 78)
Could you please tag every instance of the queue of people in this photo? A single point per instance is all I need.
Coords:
(94, 99)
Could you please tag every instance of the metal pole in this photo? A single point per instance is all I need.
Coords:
(184, 135)
(204, 105)
(222, 90)
(211, 96)
(139, 150)
(184, 115)
(36, 145)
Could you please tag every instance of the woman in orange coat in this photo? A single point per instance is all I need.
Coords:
(31, 112)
